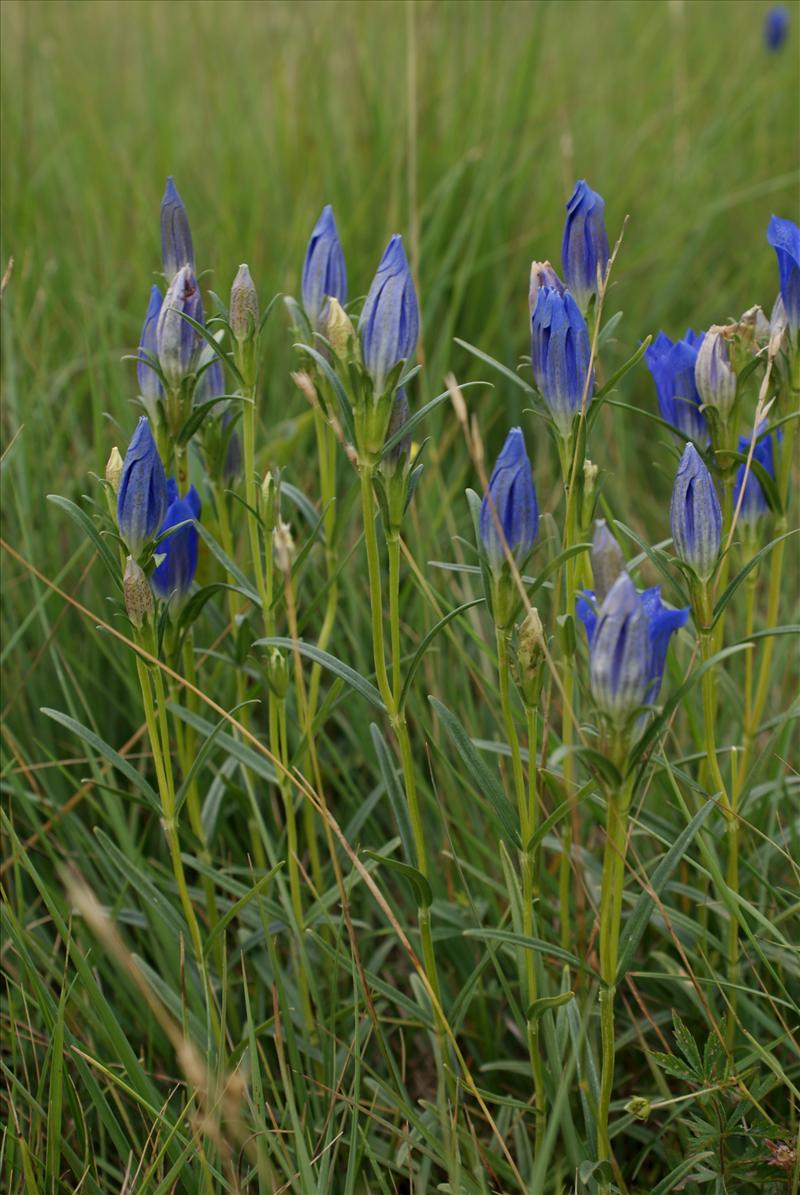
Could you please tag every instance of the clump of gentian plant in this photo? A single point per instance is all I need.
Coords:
(215, 541)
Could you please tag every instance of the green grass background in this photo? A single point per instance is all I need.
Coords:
(263, 113)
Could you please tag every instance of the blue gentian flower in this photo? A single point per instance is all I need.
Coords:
(673, 370)
(661, 621)
(142, 495)
(513, 497)
(776, 27)
(695, 515)
(172, 578)
(150, 387)
(784, 236)
(324, 272)
(584, 250)
(176, 339)
(619, 652)
(754, 502)
(176, 236)
(560, 355)
(389, 323)
(542, 274)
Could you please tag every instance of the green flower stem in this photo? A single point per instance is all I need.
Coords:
(326, 449)
(526, 806)
(396, 716)
(326, 453)
(159, 743)
(226, 539)
(251, 498)
(186, 743)
(294, 866)
(610, 920)
(376, 602)
(393, 552)
(570, 831)
(709, 688)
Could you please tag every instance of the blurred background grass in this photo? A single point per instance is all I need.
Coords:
(263, 113)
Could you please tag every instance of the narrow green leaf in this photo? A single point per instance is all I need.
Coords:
(231, 568)
(637, 922)
(87, 526)
(226, 358)
(541, 947)
(424, 645)
(394, 791)
(740, 576)
(479, 774)
(349, 675)
(419, 885)
(498, 365)
(417, 417)
(543, 1004)
(102, 748)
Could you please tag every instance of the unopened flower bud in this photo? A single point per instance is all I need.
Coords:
(715, 378)
(277, 672)
(244, 304)
(590, 473)
(695, 515)
(114, 468)
(137, 593)
(283, 545)
(531, 651)
(269, 494)
(607, 560)
(339, 329)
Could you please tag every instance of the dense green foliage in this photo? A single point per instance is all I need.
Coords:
(463, 125)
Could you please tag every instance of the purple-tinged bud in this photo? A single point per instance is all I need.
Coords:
(324, 272)
(584, 251)
(142, 495)
(695, 515)
(607, 560)
(137, 594)
(619, 653)
(176, 237)
(150, 387)
(114, 469)
(177, 340)
(511, 503)
(713, 374)
(560, 356)
(244, 314)
(784, 236)
(389, 323)
(542, 274)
